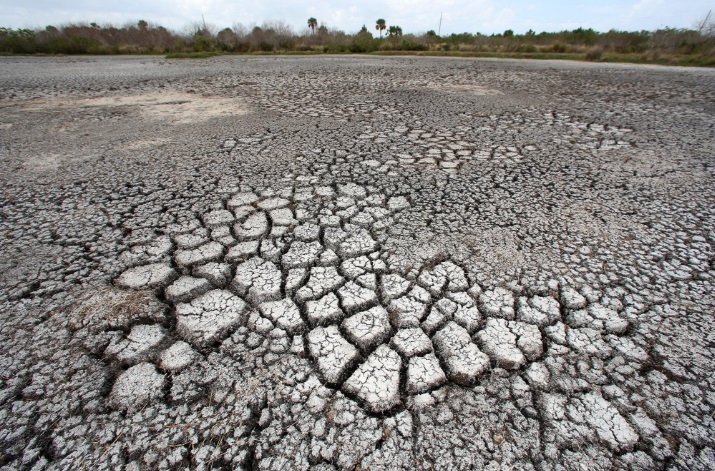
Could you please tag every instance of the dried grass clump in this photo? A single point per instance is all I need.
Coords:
(111, 308)
(594, 53)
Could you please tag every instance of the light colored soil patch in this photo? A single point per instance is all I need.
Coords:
(142, 144)
(468, 89)
(171, 107)
(52, 162)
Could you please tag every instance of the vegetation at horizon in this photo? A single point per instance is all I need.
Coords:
(694, 46)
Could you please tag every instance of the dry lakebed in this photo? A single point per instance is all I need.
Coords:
(356, 263)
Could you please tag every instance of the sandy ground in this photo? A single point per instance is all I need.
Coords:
(355, 263)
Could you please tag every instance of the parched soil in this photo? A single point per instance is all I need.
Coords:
(355, 263)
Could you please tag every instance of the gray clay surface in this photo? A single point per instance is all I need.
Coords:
(355, 263)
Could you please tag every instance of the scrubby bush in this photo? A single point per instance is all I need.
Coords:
(363, 42)
(410, 43)
(18, 41)
(142, 37)
(203, 43)
(80, 38)
(594, 53)
(624, 42)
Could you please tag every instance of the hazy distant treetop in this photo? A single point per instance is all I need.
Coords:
(312, 24)
(706, 26)
(226, 36)
(380, 25)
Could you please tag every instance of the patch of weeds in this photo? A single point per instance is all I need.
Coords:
(594, 54)
(110, 308)
(191, 55)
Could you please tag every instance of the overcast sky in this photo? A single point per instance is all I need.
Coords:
(485, 16)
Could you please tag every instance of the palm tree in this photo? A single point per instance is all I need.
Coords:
(312, 23)
(380, 26)
(394, 32)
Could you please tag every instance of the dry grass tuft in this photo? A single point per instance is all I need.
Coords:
(112, 308)
(594, 54)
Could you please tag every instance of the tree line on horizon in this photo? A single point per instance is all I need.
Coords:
(146, 38)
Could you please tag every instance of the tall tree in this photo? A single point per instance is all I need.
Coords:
(380, 25)
(312, 24)
(394, 32)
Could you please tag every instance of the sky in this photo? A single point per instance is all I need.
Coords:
(414, 16)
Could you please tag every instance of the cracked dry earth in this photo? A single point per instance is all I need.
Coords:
(355, 263)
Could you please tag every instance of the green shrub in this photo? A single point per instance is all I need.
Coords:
(363, 42)
(336, 48)
(358, 47)
(265, 46)
(411, 45)
(18, 41)
(286, 43)
(191, 55)
(203, 43)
